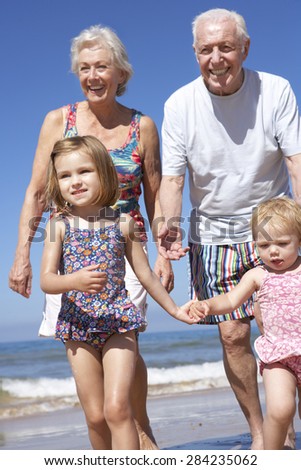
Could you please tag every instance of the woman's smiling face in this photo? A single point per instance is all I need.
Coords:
(99, 77)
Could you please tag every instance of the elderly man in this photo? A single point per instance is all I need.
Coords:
(238, 133)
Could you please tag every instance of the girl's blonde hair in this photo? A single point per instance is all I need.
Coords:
(89, 145)
(280, 213)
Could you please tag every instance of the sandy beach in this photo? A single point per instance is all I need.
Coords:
(204, 420)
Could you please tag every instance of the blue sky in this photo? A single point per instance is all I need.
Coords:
(36, 78)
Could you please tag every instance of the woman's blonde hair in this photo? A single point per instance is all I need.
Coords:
(89, 145)
(105, 37)
(280, 213)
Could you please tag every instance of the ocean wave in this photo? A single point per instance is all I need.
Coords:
(186, 378)
(22, 397)
(207, 375)
(38, 388)
(24, 408)
(25, 397)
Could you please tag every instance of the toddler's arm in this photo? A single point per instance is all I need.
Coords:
(226, 303)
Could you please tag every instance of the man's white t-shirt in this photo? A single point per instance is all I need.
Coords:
(234, 148)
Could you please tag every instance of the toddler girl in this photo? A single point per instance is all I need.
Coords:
(276, 228)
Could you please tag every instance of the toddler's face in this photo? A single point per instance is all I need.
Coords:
(278, 249)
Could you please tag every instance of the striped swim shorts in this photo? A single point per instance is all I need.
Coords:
(216, 269)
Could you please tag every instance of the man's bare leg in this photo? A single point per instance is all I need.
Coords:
(241, 370)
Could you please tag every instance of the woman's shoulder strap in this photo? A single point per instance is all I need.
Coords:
(70, 125)
(135, 123)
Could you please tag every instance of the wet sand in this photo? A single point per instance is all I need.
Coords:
(203, 420)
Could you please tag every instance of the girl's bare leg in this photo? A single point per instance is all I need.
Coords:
(86, 365)
(119, 363)
(280, 392)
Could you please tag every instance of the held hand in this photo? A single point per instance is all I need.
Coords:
(171, 243)
(184, 314)
(20, 277)
(199, 309)
(163, 270)
(89, 280)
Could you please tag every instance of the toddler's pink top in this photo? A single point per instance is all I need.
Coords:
(280, 302)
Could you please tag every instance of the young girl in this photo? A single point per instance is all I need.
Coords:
(98, 324)
(276, 227)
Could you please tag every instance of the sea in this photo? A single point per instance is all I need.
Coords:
(35, 376)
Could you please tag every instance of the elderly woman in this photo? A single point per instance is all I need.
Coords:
(100, 61)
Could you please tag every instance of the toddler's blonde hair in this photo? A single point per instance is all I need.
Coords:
(280, 213)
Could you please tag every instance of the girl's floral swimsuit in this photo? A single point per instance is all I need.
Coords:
(280, 302)
(93, 318)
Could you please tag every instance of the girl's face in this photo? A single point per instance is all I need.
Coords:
(78, 178)
(278, 248)
(99, 77)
